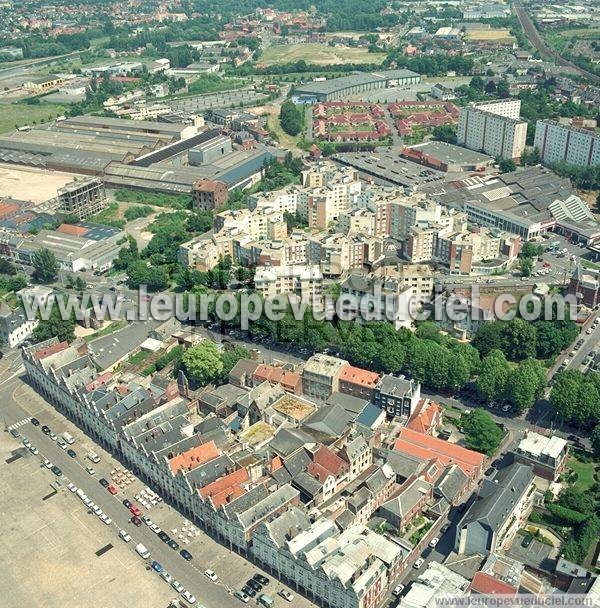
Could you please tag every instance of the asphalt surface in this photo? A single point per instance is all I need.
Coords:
(189, 574)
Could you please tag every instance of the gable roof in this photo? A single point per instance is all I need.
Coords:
(194, 457)
(226, 488)
(487, 584)
(431, 448)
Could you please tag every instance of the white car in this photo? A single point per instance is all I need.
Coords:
(589, 330)
(418, 563)
(47, 463)
(188, 597)
(125, 536)
(97, 510)
(106, 519)
(87, 502)
(53, 436)
(26, 442)
(398, 589)
(166, 577)
(61, 444)
(155, 529)
(286, 595)
(72, 487)
(147, 521)
(80, 493)
(242, 596)
(34, 450)
(211, 575)
(177, 586)
(90, 470)
(433, 542)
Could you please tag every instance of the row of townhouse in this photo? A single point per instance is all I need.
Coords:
(299, 501)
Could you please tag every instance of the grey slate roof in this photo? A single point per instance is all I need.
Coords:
(329, 419)
(497, 499)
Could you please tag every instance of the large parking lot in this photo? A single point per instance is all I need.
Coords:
(49, 543)
(59, 537)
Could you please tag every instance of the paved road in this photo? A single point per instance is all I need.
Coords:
(18, 405)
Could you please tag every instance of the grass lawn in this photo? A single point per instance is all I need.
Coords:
(138, 357)
(109, 329)
(320, 54)
(287, 141)
(585, 473)
(19, 114)
(589, 33)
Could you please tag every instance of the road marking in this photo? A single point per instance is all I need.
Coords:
(19, 424)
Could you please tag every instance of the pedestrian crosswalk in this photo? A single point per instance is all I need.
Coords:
(16, 425)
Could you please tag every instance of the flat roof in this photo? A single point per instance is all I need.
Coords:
(451, 154)
(326, 87)
(32, 184)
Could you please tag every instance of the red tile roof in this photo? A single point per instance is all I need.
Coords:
(277, 375)
(7, 209)
(194, 457)
(488, 585)
(328, 460)
(425, 416)
(72, 230)
(50, 350)
(357, 375)
(226, 488)
(431, 448)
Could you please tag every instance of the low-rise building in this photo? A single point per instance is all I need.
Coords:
(547, 455)
(321, 376)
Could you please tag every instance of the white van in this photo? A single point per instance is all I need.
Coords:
(68, 438)
(142, 551)
(93, 457)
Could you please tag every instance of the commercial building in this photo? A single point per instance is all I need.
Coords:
(585, 286)
(558, 142)
(493, 128)
(82, 198)
(435, 583)
(547, 455)
(502, 506)
(210, 151)
(338, 88)
(41, 85)
(446, 157)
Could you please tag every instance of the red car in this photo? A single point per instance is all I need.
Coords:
(112, 490)
(136, 521)
(135, 510)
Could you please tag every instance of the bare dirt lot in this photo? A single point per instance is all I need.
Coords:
(30, 184)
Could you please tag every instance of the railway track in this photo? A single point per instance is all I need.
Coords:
(538, 43)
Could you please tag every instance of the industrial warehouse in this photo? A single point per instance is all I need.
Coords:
(340, 88)
(159, 156)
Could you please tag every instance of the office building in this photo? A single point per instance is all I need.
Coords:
(82, 198)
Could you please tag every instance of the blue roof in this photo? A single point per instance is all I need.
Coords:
(369, 415)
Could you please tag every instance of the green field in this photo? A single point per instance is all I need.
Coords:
(585, 472)
(590, 33)
(320, 54)
(19, 114)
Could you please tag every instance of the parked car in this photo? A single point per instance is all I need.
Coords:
(209, 574)
(103, 482)
(156, 566)
(90, 470)
(56, 471)
(254, 584)
(186, 555)
(72, 453)
(286, 595)
(527, 539)
(418, 563)
(124, 535)
(127, 503)
(188, 597)
(35, 422)
(135, 510)
(173, 544)
(398, 589)
(263, 580)
(177, 586)
(46, 430)
(136, 521)
(433, 542)
(242, 596)
(248, 590)
(164, 536)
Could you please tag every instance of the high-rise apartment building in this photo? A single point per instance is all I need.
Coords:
(557, 142)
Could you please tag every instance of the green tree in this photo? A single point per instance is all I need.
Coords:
(564, 397)
(445, 133)
(526, 267)
(519, 339)
(7, 267)
(507, 165)
(477, 83)
(230, 357)
(488, 338)
(526, 384)
(595, 441)
(493, 378)
(290, 118)
(45, 266)
(481, 432)
(202, 363)
(55, 326)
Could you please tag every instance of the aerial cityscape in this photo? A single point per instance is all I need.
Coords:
(300, 303)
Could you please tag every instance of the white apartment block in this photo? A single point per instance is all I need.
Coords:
(264, 223)
(557, 142)
(493, 128)
(304, 282)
